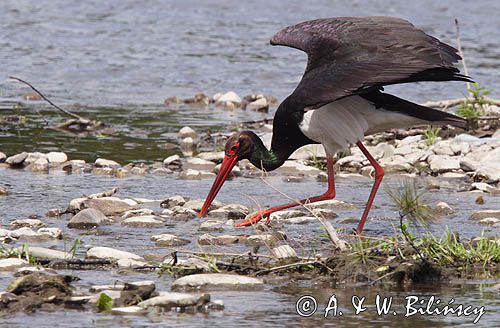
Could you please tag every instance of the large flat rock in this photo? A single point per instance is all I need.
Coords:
(216, 281)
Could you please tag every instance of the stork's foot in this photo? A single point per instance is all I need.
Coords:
(264, 214)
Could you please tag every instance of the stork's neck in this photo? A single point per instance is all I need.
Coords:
(265, 159)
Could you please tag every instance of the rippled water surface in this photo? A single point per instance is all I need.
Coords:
(117, 61)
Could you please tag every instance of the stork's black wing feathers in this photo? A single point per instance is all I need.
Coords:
(352, 55)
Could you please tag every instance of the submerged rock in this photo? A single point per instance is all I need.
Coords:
(207, 239)
(485, 214)
(260, 240)
(216, 281)
(145, 221)
(331, 204)
(129, 310)
(31, 223)
(211, 225)
(169, 240)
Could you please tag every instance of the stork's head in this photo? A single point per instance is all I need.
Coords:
(240, 145)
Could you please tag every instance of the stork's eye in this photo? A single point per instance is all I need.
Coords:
(234, 148)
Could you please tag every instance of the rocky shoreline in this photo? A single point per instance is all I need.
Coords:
(472, 161)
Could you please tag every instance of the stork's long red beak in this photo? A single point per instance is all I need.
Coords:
(227, 165)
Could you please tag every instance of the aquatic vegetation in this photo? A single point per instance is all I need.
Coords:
(430, 135)
(473, 106)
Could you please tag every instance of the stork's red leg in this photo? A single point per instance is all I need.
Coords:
(329, 194)
(379, 174)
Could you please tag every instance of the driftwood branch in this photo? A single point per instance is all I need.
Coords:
(460, 52)
(77, 123)
(81, 119)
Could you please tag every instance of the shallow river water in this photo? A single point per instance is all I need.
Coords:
(117, 61)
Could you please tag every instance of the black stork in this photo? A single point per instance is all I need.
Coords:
(340, 100)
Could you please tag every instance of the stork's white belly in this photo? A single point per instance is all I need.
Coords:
(348, 120)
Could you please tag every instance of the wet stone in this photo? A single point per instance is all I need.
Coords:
(324, 213)
(12, 264)
(106, 171)
(40, 165)
(47, 253)
(211, 225)
(106, 163)
(108, 205)
(301, 220)
(186, 132)
(173, 201)
(285, 214)
(199, 164)
(230, 212)
(441, 163)
(207, 239)
(284, 252)
(3, 191)
(331, 204)
(489, 221)
(130, 263)
(55, 157)
(229, 100)
(212, 156)
(190, 174)
(485, 214)
(485, 188)
(111, 254)
(17, 159)
(129, 310)
(259, 105)
(27, 234)
(183, 213)
(137, 212)
(88, 218)
(443, 208)
(235, 171)
(54, 233)
(173, 161)
(3, 157)
(197, 204)
(293, 167)
(262, 240)
(169, 240)
(170, 300)
(216, 281)
(146, 221)
(30, 223)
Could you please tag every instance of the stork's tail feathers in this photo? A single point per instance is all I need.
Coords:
(393, 103)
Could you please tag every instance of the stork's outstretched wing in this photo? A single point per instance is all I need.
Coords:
(350, 55)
